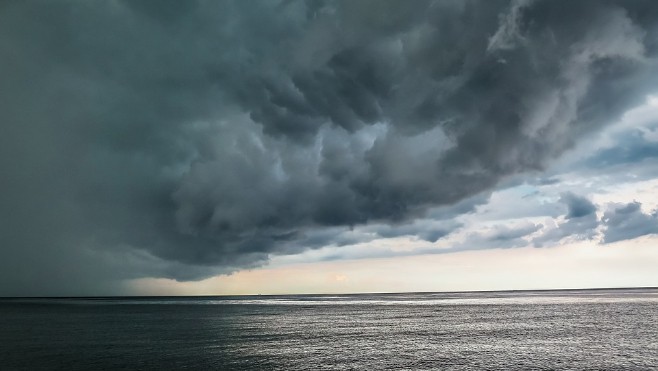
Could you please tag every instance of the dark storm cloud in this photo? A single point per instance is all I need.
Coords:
(624, 222)
(204, 136)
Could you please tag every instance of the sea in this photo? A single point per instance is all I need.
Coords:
(603, 329)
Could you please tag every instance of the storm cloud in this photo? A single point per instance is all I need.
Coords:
(186, 139)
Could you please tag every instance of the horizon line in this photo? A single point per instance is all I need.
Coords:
(331, 294)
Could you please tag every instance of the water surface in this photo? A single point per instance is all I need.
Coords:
(577, 329)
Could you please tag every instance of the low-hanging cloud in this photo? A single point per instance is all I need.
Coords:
(580, 222)
(205, 136)
(628, 221)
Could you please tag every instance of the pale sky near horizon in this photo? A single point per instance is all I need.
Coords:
(269, 147)
(574, 266)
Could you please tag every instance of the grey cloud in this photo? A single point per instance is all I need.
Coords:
(623, 153)
(630, 148)
(580, 221)
(468, 205)
(428, 230)
(209, 135)
(547, 181)
(499, 236)
(625, 222)
(577, 206)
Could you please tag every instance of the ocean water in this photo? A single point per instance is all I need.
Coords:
(550, 330)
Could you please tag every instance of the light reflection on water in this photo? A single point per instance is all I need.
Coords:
(597, 329)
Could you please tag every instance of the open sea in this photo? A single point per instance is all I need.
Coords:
(542, 330)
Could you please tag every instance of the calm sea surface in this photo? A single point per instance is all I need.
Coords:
(588, 329)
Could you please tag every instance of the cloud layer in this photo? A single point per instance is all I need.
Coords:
(185, 139)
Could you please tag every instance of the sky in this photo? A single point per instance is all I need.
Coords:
(163, 147)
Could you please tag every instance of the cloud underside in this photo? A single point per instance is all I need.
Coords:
(185, 139)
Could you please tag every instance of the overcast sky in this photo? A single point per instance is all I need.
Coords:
(179, 147)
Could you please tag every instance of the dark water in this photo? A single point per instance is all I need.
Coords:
(597, 329)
